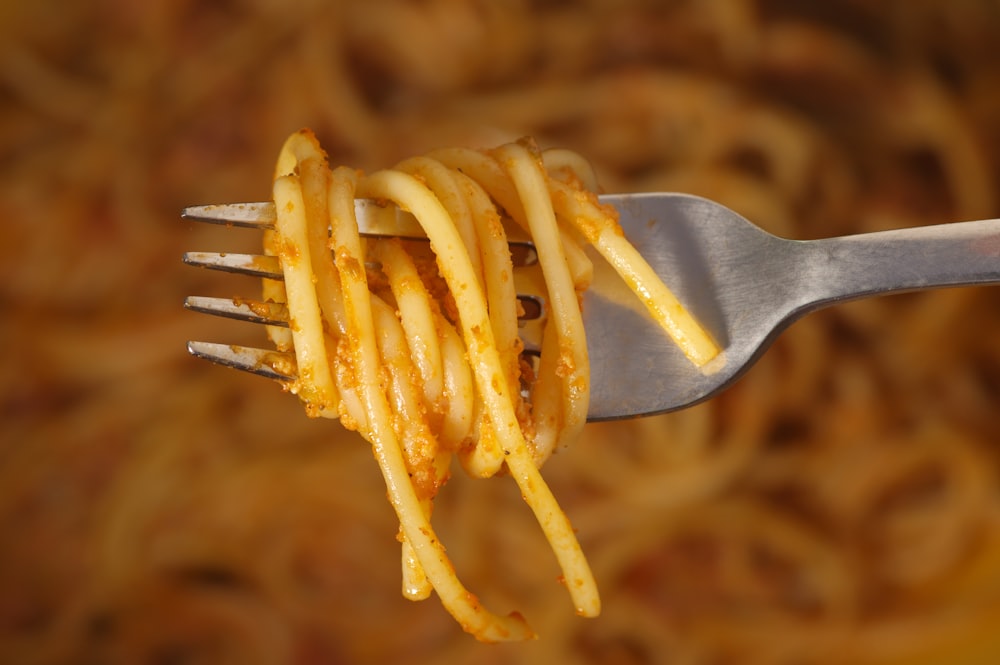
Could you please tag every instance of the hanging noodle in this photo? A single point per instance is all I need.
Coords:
(348, 332)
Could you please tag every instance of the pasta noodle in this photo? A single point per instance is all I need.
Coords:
(387, 357)
(838, 504)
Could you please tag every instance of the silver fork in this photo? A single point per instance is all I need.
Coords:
(743, 284)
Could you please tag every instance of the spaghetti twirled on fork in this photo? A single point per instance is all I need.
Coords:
(419, 351)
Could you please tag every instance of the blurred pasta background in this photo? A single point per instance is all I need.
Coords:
(841, 504)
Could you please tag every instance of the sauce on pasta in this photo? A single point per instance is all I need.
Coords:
(423, 358)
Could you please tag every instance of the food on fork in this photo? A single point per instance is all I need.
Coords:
(416, 345)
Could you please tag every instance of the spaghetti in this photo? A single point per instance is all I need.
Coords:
(839, 504)
(426, 362)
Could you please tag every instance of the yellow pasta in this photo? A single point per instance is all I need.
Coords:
(404, 341)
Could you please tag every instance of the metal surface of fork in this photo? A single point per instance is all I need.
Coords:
(745, 286)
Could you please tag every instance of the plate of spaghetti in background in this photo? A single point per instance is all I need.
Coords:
(841, 503)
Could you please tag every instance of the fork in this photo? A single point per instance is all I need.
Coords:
(743, 284)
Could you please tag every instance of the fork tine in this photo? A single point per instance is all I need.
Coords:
(269, 267)
(262, 362)
(249, 215)
(254, 265)
(276, 314)
(373, 218)
(253, 311)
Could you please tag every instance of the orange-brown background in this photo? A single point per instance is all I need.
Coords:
(839, 505)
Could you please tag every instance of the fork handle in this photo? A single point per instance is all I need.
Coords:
(883, 262)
